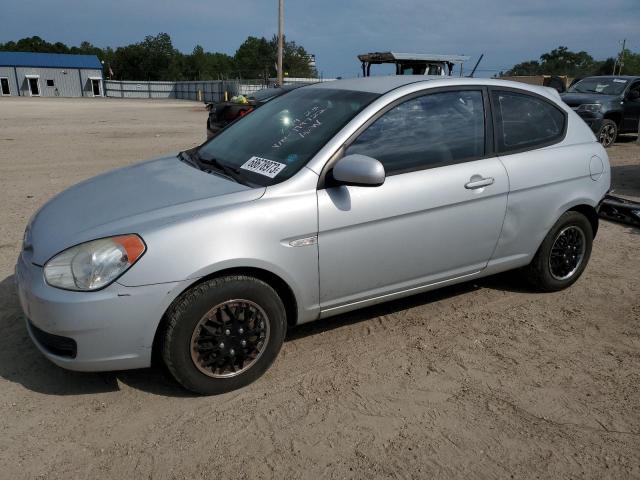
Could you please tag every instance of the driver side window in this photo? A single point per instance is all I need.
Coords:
(426, 132)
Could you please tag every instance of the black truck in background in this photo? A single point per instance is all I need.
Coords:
(224, 113)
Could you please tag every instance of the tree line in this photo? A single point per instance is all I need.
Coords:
(155, 58)
(562, 61)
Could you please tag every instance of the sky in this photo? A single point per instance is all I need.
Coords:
(506, 31)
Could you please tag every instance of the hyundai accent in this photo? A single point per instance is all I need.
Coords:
(327, 199)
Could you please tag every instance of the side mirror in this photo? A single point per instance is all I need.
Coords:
(359, 170)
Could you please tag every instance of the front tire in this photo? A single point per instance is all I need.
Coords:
(563, 255)
(608, 133)
(223, 334)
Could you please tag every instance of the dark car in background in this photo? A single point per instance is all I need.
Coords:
(223, 113)
(609, 105)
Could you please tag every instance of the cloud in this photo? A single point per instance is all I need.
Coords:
(506, 31)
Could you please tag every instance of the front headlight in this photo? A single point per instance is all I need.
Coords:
(590, 107)
(95, 264)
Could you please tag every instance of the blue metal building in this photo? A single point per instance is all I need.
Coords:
(50, 75)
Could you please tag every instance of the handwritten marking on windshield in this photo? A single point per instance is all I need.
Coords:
(305, 126)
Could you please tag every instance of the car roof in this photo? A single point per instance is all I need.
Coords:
(621, 77)
(381, 84)
(276, 91)
(385, 84)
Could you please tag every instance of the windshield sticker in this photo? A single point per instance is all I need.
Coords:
(265, 167)
(619, 80)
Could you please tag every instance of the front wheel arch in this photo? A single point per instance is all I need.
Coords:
(615, 117)
(282, 288)
(223, 334)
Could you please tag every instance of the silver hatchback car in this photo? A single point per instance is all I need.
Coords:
(332, 197)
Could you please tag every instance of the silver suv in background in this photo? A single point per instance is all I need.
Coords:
(330, 198)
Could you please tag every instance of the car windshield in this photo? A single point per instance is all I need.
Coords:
(279, 138)
(604, 86)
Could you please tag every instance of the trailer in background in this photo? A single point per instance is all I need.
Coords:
(413, 63)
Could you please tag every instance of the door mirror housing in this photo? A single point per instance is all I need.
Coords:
(359, 170)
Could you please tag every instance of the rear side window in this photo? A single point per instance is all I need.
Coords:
(425, 132)
(526, 122)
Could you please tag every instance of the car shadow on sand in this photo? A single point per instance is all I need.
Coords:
(508, 282)
(22, 363)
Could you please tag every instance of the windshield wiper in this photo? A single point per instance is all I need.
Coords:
(231, 172)
(185, 157)
(192, 157)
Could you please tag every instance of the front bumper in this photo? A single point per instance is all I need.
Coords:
(112, 329)
(594, 120)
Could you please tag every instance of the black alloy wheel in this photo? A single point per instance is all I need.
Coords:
(567, 252)
(230, 338)
(608, 133)
(224, 333)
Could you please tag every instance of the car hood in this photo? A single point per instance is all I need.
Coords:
(575, 99)
(129, 200)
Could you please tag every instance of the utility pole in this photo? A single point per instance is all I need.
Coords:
(619, 61)
(280, 40)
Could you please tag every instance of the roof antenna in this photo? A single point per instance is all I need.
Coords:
(474, 68)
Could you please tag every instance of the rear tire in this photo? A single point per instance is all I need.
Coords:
(563, 255)
(608, 133)
(223, 334)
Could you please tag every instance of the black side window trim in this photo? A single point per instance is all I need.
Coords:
(489, 134)
(497, 130)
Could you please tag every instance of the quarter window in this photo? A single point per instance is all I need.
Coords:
(426, 132)
(526, 122)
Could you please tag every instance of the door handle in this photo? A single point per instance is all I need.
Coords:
(478, 182)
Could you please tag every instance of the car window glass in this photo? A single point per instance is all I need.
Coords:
(426, 132)
(602, 85)
(525, 121)
(286, 132)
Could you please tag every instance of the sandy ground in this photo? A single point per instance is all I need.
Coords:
(484, 380)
